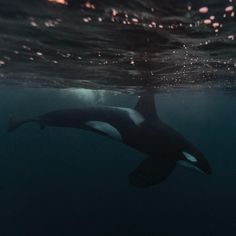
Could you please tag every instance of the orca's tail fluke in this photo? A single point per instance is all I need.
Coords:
(15, 123)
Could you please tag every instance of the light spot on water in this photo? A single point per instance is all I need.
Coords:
(229, 8)
(52, 23)
(132, 61)
(89, 5)
(135, 20)
(231, 37)
(114, 12)
(26, 47)
(63, 2)
(203, 10)
(87, 19)
(34, 24)
(2, 63)
(216, 24)
(207, 21)
(39, 54)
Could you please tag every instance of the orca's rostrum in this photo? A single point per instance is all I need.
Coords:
(139, 128)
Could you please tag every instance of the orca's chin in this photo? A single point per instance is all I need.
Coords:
(196, 167)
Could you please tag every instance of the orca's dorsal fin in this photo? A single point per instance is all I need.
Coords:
(146, 107)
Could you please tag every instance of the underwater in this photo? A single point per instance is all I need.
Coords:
(118, 117)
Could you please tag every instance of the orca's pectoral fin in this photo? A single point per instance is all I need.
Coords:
(151, 171)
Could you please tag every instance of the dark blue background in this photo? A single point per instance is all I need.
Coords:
(71, 182)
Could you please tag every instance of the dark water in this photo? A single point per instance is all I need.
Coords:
(60, 181)
(70, 182)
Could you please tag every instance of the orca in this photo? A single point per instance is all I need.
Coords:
(140, 128)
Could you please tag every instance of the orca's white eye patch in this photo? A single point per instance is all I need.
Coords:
(189, 157)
